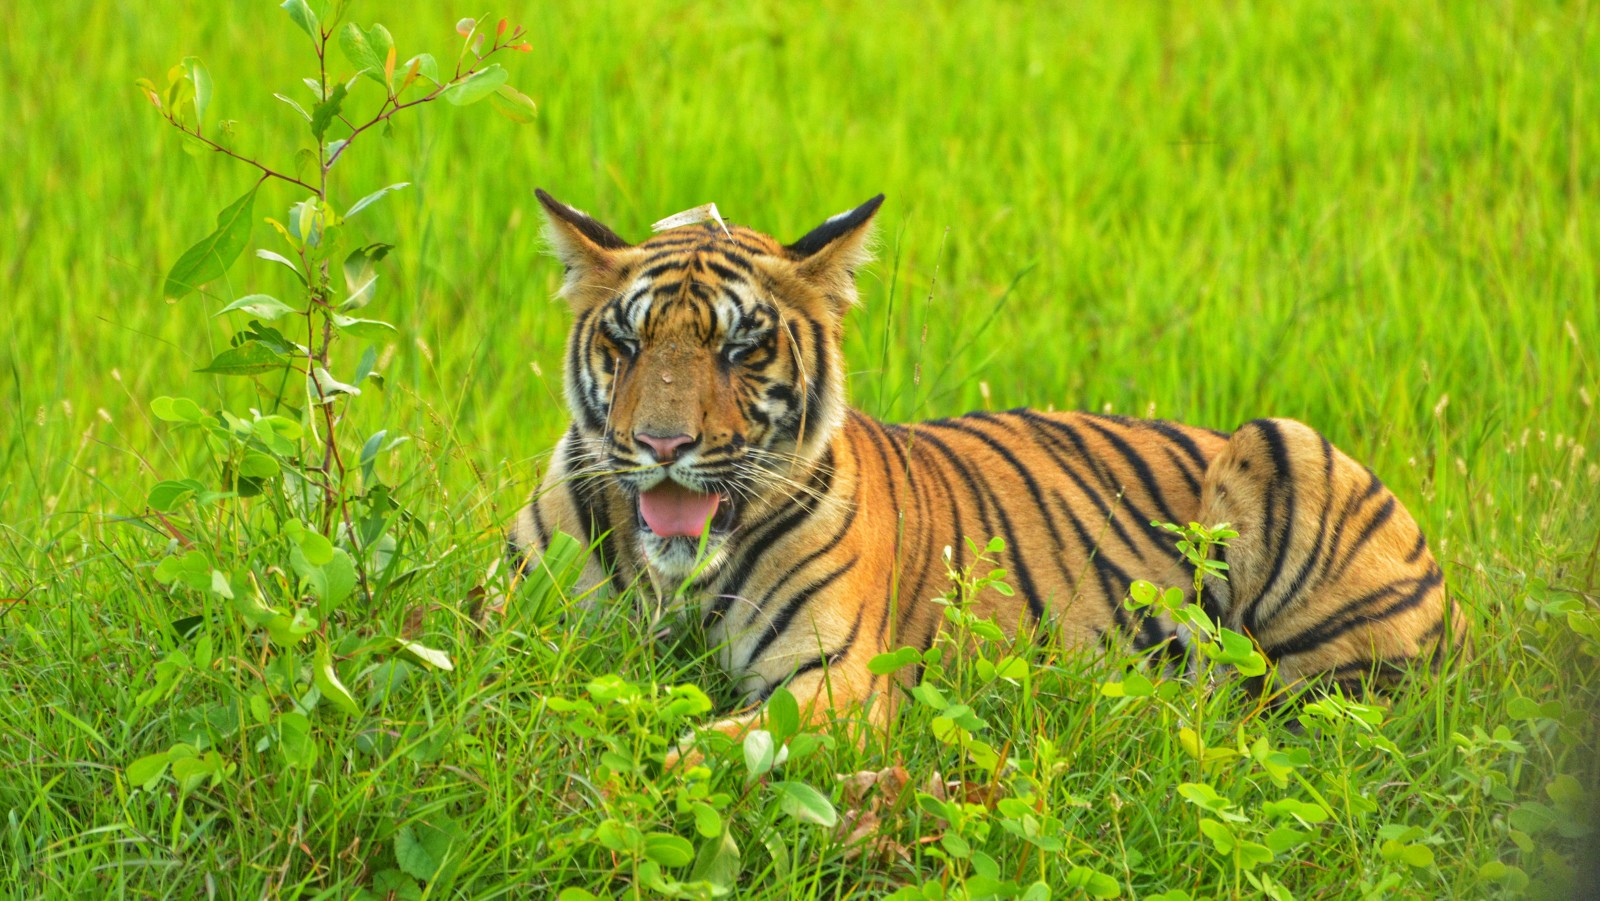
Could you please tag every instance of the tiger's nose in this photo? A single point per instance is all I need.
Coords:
(664, 449)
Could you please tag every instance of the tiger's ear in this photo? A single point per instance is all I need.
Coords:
(829, 254)
(587, 248)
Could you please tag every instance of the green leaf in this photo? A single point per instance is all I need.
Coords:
(1092, 883)
(1141, 594)
(425, 655)
(427, 66)
(211, 257)
(1521, 708)
(1533, 817)
(805, 804)
(327, 681)
(707, 821)
(1283, 838)
(259, 466)
(884, 664)
(295, 105)
(1221, 836)
(176, 409)
(146, 771)
(322, 115)
(280, 258)
(1206, 798)
(1240, 651)
(323, 388)
(295, 742)
(367, 50)
(668, 850)
(368, 329)
(360, 274)
(783, 714)
(259, 305)
(1134, 684)
(249, 358)
(191, 771)
(392, 885)
(302, 16)
(1306, 812)
(928, 694)
(167, 496)
(1253, 854)
(286, 631)
(339, 579)
(760, 753)
(477, 86)
(196, 72)
(514, 105)
(422, 848)
(374, 197)
(717, 862)
(317, 548)
(1413, 855)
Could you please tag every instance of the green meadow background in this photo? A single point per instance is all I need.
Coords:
(1378, 217)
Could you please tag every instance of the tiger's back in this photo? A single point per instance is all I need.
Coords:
(712, 446)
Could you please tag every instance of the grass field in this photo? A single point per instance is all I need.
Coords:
(1378, 217)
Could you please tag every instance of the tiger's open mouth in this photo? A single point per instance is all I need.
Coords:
(670, 510)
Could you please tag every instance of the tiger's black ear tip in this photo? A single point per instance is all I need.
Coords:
(836, 227)
(549, 203)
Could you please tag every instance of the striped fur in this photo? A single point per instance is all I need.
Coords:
(833, 546)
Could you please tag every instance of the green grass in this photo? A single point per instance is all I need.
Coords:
(1378, 217)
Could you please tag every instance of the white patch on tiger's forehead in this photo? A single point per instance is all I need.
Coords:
(705, 212)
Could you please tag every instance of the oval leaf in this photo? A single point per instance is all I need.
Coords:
(196, 72)
(262, 306)
(323, 114)
(249, 358)
(477, 86)
(167, 496)
(514, 105)
(327, 681)
(425, 655)
(783, 714)
(216, 251)
(805, 804)
(668, 850)
(302, 15)
(146, 771)
(374, 197)
(176, 409)
(367, 50)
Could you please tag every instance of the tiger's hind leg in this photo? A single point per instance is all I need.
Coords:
(1329, 573)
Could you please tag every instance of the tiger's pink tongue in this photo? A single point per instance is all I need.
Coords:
(670, 509)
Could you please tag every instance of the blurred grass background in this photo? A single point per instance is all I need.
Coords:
(1339, 212)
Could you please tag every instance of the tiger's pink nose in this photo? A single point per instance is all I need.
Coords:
(664, 449)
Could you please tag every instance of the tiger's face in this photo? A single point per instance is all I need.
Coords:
(703, 370)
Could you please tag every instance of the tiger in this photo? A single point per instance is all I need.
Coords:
(712, 449)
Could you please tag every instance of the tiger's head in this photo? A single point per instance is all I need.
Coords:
(704, 370)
